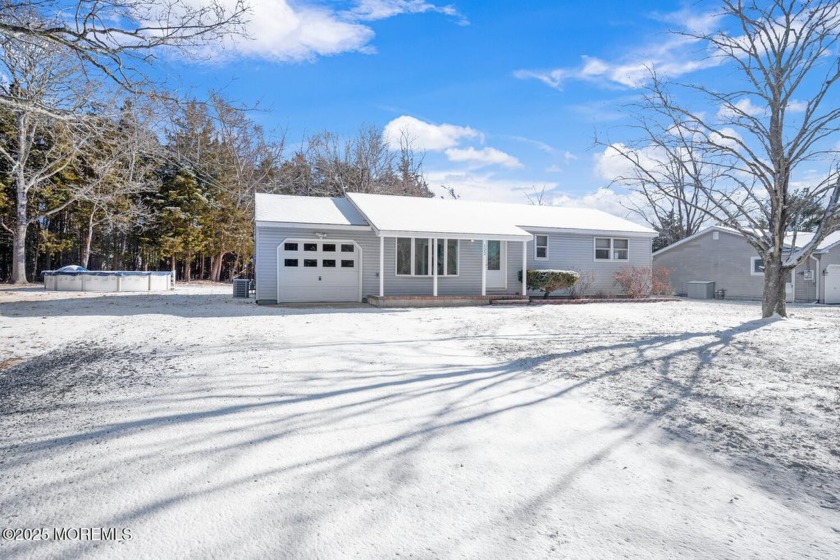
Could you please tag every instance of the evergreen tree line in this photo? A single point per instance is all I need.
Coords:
(138, 191)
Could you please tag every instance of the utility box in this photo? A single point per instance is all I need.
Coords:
(700, 289)
(241, 287)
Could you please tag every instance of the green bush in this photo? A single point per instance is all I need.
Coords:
(547, 281)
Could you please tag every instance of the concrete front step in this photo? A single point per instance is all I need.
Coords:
(516, 301)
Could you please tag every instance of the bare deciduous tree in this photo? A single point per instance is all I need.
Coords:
(119, 167)
(326, 165)
(781, 114)
(666, 169)
(38, 147)
(119, 38)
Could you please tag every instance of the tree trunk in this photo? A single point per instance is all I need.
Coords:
(172, 264)
(19, 241)
(775, 279)
(203, 273)
(216, 267)
(188, 268)
(88, 239)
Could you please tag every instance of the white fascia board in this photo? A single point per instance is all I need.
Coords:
(604, 232)
(298, 225)
(449, 235)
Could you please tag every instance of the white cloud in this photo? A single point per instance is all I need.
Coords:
(611, 165)
(796, 106)
(484, 156)
(287, 31)
(744, 106)
(726, 137)
(605, 199)
(482, 186)
(487, 187)
(673, 56)
(426, 136)
(382, 9)
(569, 156)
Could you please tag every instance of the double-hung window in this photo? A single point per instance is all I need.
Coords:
(612, 249)
(541, 247)
(414, 256)
(756, 266)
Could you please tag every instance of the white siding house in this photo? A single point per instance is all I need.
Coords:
(346, 249)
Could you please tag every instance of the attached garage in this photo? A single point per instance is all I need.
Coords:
(314, 270)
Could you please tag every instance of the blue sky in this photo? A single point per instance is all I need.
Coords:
(502, 96)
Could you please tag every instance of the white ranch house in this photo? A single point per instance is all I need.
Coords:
(319, 249)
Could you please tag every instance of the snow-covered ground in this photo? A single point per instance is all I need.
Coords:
(213, 428)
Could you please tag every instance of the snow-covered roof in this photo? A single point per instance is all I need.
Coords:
(830, 241)
(319, 210)
(802, 239)
(454, 218)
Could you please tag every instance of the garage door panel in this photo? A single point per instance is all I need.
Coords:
(318, 270)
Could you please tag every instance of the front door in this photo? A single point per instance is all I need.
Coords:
(496, 265)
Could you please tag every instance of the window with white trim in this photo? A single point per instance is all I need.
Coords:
(541, 247)
(612, 249)
(756, 266)
(414, 256)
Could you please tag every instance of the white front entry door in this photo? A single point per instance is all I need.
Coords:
(496, 265)
(832, 284)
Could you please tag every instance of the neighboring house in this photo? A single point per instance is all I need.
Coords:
(722, 255)
(345, 249)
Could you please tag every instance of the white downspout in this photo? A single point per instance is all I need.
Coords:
(484, 267)
(524, 268)
(382, 266)
(434, 266)
(817, 274)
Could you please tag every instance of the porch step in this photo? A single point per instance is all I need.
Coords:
(510, 301)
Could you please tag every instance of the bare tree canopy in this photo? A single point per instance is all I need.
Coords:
(119, 38)
(741, 145)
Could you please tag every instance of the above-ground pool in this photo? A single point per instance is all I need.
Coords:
(116, 281)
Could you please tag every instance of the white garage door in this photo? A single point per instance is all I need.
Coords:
(318, 270)
(832, 284)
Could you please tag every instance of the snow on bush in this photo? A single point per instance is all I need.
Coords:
(548, 281)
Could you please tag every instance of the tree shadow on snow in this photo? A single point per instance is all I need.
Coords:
(233, 420)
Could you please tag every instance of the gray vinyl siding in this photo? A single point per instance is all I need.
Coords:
(269, 238)
(566, 251)
(806, 290)
(725, 261)
(467, 282)
(569, 251)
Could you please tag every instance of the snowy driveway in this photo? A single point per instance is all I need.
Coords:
(214, 429)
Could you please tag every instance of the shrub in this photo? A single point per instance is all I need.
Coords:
(635, 281)
(583, 285)
(660, 282)
(547, 281)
